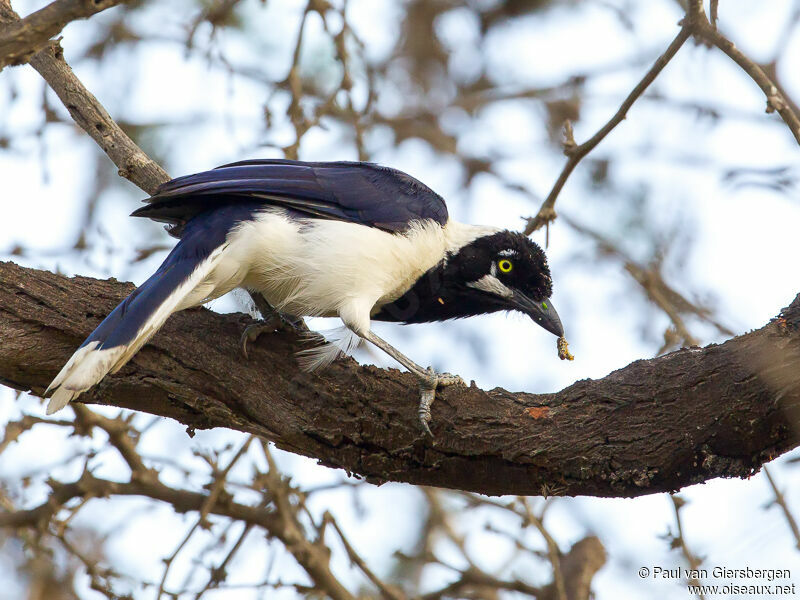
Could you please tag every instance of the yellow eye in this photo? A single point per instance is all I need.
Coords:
(505, 266)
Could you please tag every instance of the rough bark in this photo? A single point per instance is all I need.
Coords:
(655, 425)
(22, 38)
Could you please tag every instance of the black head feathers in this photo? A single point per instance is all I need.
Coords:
(509, 256)
(501, 271)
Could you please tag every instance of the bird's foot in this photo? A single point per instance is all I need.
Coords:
(427, 388)
(274, 323)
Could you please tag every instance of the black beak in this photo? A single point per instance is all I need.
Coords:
(542, 312)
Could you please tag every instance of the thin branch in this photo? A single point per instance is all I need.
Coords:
(169, 561)
(218, 574)
(775, 99)
(473, 582)
(679, 541)
(651, 280)
(780, 500)
(23, 38)
(315, 563)
(553, 552)
(697, 24)
(389, 592)
(576, 152)
(120, 435)
(89, 114)
(133, 164)
(313, 556)
(220, 479)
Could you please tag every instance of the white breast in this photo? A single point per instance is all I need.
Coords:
(334, 268)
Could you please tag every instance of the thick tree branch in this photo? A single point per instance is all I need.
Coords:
(22, 38)
(655, 425)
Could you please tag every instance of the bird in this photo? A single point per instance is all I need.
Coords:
(354, 240)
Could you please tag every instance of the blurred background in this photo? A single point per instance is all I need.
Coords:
(676, 230)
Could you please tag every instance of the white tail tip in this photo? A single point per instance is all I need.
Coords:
(60, 399)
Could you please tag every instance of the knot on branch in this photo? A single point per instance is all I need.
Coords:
(546, 215)
(775, 101)
(570, 145)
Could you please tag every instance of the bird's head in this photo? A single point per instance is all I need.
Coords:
(506, 271)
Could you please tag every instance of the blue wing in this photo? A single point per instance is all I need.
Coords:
(177, 284)
(205, 234)
(356, 192)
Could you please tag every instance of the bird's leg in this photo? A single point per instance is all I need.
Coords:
(429, 379)
(272, 320)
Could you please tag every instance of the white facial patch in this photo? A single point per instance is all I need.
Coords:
(507, 253)
(492, 285)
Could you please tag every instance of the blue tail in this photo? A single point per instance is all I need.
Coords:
(144, 311)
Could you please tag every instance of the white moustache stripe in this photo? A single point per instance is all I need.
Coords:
(491, 284)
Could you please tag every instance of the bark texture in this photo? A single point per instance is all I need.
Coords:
(22, 38)
(655, 425)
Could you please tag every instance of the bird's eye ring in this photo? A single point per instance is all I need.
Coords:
(505, 266)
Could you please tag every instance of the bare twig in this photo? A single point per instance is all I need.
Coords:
(120, 434)
(553, 552)
(313, 556)
(315, 562)
(388, 592)
(658, 291)
(780, 500)
(89, 114)
(217, 574)
(170, 560)
(678, 540)
(575, 153)
(220, 479)
(699, 26)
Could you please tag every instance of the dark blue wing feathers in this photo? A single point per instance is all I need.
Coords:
(356, 192)
(205, 233)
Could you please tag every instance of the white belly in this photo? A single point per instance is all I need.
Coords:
(329, 268)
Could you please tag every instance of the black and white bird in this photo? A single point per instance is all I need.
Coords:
(352, 240)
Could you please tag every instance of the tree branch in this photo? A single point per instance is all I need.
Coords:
(22, 38)
(134, 165)
(656, 425)
(89, 114)
(314, 558)
(776, 102)
(695, 24)
(577, 152)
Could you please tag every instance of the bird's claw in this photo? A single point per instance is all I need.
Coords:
(252, 332)
(273, 323)
(427, 387)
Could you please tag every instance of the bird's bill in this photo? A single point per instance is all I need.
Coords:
(542, 312)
